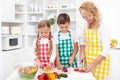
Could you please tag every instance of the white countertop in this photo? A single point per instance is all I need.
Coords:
(71, 76)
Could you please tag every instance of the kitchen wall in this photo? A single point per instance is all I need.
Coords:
(111, 16)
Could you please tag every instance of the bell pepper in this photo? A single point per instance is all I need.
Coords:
(41, 77)
(51, 75)
(46, 77)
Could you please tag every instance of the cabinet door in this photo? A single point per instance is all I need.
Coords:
(1, 67)
(8, 10)
(8, 64)
(115, 65)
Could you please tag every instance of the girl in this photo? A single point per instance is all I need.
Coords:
(66, 43)
(43, 45)
(94, 42)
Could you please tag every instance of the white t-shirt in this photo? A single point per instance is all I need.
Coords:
(104, 37)
(45, 40)
(63, 36)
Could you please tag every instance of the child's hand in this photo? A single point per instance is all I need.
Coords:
(37, 62)
(60, 66)
(37, 55)
(49, 66)
(71, 61)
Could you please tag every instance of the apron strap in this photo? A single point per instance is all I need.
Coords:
(69, 33)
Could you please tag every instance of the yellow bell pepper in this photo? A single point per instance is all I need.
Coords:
(52, 76)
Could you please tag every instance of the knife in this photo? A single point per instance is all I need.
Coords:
(69, 66)
(82, 64)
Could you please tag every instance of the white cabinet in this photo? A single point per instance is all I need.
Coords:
(8, 63)
(1, 67)
(34, 14)
(12, 59)
(115, 65)
(19, 12)
(8, 10)
(12, 19)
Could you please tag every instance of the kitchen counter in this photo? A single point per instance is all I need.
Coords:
(114, 72)
(71, 76)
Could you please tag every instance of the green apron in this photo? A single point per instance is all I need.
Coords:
(65, 50)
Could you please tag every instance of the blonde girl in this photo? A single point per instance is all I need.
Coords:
(44, 46)
(94, 44)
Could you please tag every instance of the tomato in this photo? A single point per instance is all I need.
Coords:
(56, 74)
(76, 69)
(81, 70)
(27, 70)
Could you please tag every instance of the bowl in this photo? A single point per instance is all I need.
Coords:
(28, 72)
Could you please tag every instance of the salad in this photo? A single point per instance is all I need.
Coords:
(28, 72)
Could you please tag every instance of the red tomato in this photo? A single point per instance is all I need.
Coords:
(27, 70)
(41, 77)
(76, 69)
(81, 70)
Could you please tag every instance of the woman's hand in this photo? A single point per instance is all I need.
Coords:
(82, 57)
(82, 53)
(89, 68)
(94, 63)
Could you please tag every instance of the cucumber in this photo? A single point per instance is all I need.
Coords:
(63, 75)
(58, 77)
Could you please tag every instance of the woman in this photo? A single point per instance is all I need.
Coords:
(94, 44)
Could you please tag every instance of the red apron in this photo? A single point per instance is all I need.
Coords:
(43, 52)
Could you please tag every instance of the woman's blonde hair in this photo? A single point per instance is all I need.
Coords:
(90, 6)
(42, 24)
